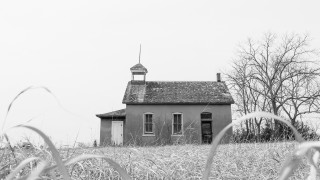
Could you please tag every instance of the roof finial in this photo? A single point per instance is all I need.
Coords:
(139, 53)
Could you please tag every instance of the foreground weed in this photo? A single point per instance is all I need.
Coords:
(42, 165)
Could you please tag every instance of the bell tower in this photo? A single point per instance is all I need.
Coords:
(138, 70)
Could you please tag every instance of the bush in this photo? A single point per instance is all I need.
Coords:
(283, 133)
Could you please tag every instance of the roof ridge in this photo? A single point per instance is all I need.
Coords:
(184, 81)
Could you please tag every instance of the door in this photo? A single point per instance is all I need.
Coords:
(206, 129)
(117, 132)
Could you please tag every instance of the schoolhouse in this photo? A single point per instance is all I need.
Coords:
(166, 112)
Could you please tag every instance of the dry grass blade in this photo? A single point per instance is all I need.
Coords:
(305, 146)
(11, 149)
(214, 146)
(305, 150)
(20, 166)
(313, 169)
(215, 143)
(23, 91)
(37, 171)
(53, 149)
(74, 145)
(292, 163)
(297, 135)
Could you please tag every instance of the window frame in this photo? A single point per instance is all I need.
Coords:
(144, 124)
(176, 134)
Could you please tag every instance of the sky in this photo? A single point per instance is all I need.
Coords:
(82, 52)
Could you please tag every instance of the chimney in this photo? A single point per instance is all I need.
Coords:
(218, 77)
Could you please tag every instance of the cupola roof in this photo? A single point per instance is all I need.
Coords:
(138, 68)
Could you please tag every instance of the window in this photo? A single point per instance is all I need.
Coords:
(206, 115)
(148, 123)
(177, 124)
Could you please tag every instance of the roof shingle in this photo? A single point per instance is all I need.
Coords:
(177, 92)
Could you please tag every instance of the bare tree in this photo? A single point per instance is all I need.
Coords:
(279, 75)
(303, 95)
(246, 99)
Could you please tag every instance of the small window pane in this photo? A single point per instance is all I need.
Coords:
(148, 124)
(177, 124)
(206, 115)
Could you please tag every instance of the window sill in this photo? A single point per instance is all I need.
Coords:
(148, 135)
(206, 119)
(176, 134)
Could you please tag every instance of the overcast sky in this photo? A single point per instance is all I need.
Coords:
(83, 50)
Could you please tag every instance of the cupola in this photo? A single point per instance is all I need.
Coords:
(138, 70)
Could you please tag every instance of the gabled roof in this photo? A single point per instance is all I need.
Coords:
(177, 92)
(139, 67)
(114, 114)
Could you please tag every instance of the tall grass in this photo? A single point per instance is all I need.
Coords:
(42, 165)
(57, 166)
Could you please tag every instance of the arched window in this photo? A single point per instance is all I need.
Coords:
(206, 115)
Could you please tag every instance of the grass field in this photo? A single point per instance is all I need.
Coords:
(232, 161)
(295, 160)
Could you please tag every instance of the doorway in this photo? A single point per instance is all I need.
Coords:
(117, 132)
(206, 129)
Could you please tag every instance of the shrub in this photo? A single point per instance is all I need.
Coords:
(268, 134)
